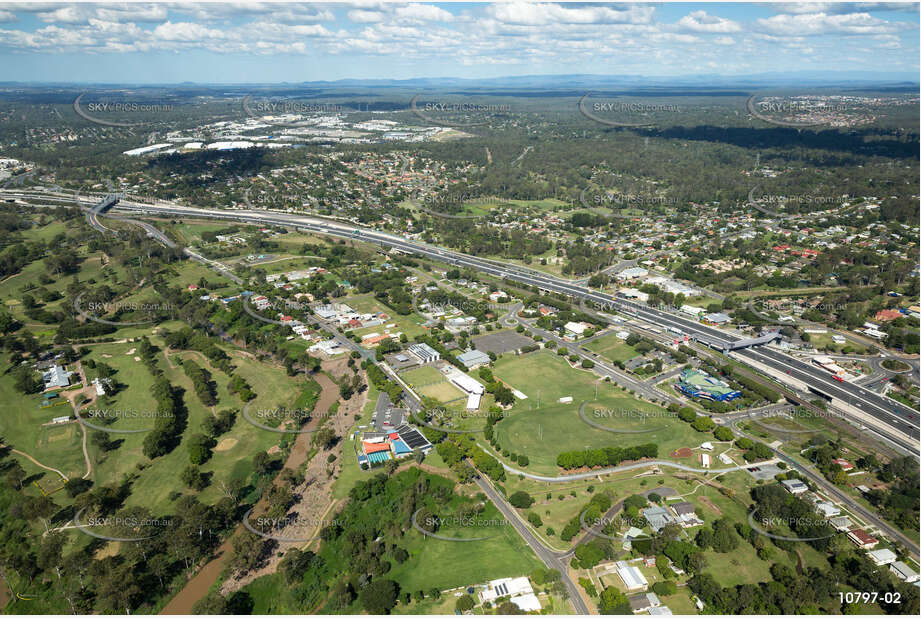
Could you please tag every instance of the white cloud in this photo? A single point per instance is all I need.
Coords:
(700, 21)
(822, 23)
(422, 13)
(365, 17)
(186, 31)
(7, 17)
(542, 14)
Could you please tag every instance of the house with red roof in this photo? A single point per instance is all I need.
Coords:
(887, 315)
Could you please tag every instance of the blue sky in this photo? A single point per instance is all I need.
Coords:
(275, 42)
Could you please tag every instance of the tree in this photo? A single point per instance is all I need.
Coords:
(465, 603)
(723, 433)
(200, 448)
(613, 601)
(521, 500)
(379, 597)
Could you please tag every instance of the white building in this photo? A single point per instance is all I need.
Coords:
(827, 509)
(575, 329)
(632, 577)
(424, 352)
(517, 589)
(903, 572)
(794, 486)
(882, 557)
(632, 273)
(470, 386)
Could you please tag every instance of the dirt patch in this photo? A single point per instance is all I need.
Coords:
(108, 550)
(682, 453)
(273, 450)
(107, 356)
(706, 502)
(137, 359)
(226, 444)
(130, 352)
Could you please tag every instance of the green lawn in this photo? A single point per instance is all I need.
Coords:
(611, 348)
(445, 564)
(541, 428)
(21, 428)
(411, 324)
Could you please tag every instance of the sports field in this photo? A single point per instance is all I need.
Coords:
(429, 382)
(541, 427)
(611, 348)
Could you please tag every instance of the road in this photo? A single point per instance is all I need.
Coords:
(552, 559)
(901, 422)
(602, 367)
(911, 545)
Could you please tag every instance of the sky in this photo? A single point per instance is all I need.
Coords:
(249, 42)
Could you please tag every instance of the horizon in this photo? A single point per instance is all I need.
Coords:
(284, 43)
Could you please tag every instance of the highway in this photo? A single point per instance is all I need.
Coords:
(901, 420)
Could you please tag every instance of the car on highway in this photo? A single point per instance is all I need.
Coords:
(837, 378)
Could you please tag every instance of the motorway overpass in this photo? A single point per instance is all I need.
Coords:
(901, 420)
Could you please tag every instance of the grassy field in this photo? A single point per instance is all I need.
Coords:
(611, 348)
(429, 382)
(541, 428)
(21, 428)
(445, 564)
(411, 324)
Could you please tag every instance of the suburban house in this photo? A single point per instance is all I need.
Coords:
(903, 572)
(644, 602)
(687, 517)
(882, 557)
(861, 539)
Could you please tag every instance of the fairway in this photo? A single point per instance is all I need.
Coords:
(545, 431)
